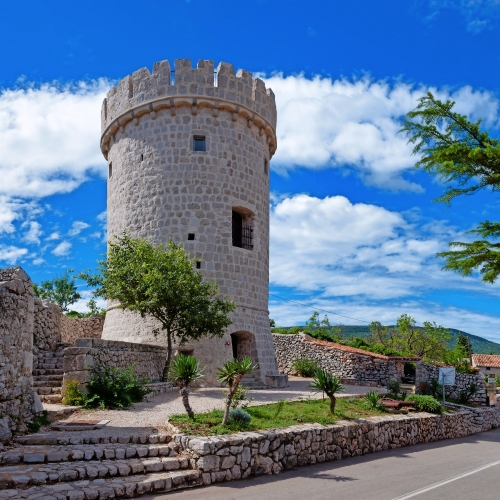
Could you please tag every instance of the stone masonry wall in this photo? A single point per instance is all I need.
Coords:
(462, 382)
(18, 402)
(148, 360)
(47, 325)
(223, 458)
(348, 363)
(81, 328)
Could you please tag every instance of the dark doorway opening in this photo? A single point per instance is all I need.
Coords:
(234, 344)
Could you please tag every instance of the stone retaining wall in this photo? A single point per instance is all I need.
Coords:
(18, 402)
(47, 325)
(81, 328)
(223, 458)
(148, 360)
(352, 365)
(462, 382)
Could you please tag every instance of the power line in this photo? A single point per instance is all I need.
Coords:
(318, 309)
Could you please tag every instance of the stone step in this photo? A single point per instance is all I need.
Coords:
(48, 366)
(52, 377)
(45, 391)
(47, 383)
(103, 489)
(50, 398)
(49, 371)
(40, 454)
(90, 437)
(26, 475)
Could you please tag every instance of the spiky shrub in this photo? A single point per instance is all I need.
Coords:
(394, 387)
(372, 399)
(240, 398)
(183, 372)
(112, 387)
(425, 403)
(329, 384)
(305, 367)
(240, 415)
(71, 394)
(230, 375)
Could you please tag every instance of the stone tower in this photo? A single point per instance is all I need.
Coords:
(188, 153)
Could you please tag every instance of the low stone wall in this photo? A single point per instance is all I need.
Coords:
(18, 402)
(47, 325)
(81, 328)
(462, 382)
(223, 458)
(148, 360)
(352, 365)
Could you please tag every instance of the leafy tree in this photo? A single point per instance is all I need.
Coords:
(272, 323)
(230, 374)
(322, 329)
(160, 281)
(329, 384)
(463, 155)
(464, 342)
(184, 371)
(62, 290)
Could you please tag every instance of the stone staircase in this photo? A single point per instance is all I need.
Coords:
(48, 374)
(95, 468)
(251, 382)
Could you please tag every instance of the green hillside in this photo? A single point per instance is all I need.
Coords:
(479, 345)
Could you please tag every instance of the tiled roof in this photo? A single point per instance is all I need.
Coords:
(486, 360)
(355, 350)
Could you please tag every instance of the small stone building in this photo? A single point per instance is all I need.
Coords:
(188, 154)
(488, 364)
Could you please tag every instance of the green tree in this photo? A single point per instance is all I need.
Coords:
(463, 156)
(62, 290)
(464, 342)
(161, 281)
(230, 374)
(184, 371)
(322, 329)
(329, 384)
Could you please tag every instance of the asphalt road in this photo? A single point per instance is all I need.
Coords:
(455, 469)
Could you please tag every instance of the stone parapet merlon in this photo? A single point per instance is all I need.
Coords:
(145, 93)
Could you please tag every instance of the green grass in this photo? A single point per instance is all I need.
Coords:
(271, 416)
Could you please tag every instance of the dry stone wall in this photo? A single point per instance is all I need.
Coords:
(47, 325)
(81, 328)
(224, 458)
(353, 366)
(148, 360)
(426, 372)
(18, 402)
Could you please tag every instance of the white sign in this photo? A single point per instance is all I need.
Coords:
(447, 376)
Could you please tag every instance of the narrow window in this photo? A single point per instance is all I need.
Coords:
(110, 170)
(266, 167)
(142, 157)
(198, 265)
(191, 236)
(242, 234)
(199, 143)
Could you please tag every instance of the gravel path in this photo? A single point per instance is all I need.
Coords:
(153, 413)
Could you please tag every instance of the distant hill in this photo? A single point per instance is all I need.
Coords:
(479, 345)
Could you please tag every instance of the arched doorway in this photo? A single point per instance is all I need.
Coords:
(243, 344)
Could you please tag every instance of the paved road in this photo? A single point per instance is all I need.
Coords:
(455, 469)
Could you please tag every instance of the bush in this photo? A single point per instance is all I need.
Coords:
(71, 395)
(115, 388)
(39, 421)
(305, 367)
(394, 387)
(465, 395)
(240, 398)
(435, 388)
(240, 415)
(425, 403)
(373, 400)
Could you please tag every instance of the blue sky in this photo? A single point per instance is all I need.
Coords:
(353, 226)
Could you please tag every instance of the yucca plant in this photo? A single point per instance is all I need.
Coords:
(373, 399)
(329, 384)
(230, 374)
(183, 372)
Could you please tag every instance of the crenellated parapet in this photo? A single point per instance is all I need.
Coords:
(221, 90)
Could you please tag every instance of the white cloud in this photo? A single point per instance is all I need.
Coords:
(337, 123)
(50, 137)
(63, 249)
(33, 233)
(53, 236)
(12, 254)
(77, 227)
(336, 248)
